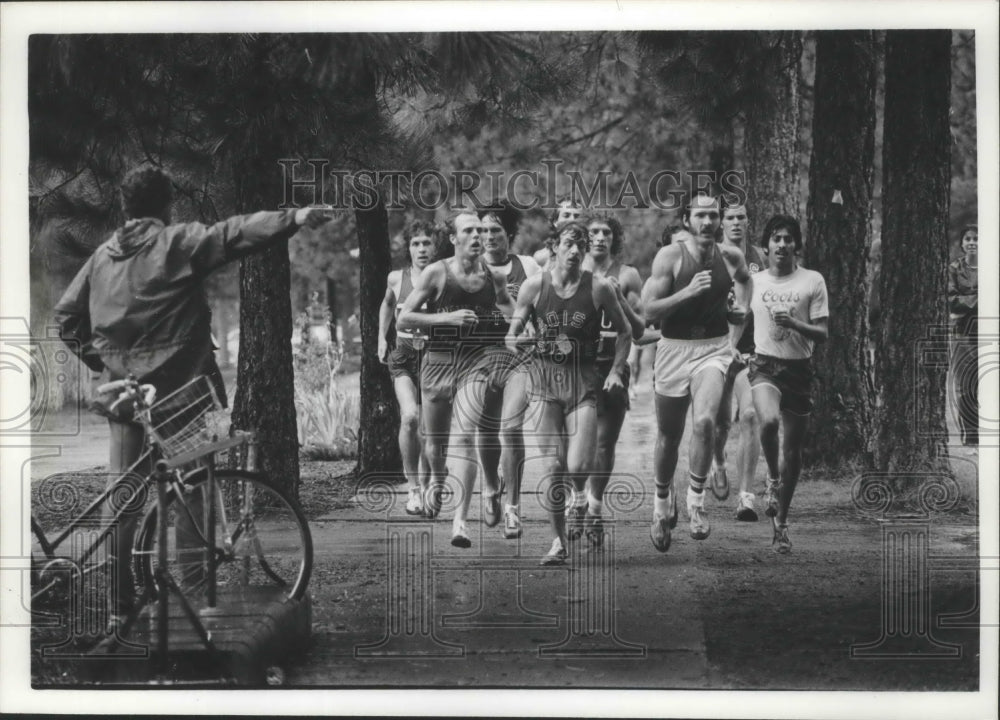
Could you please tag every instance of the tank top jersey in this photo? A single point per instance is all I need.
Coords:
(705, 315)
(606, 343)
(491, 327)
(568, 326)
(405, 288)
(515, 279)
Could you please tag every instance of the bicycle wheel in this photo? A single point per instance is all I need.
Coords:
(262, 539)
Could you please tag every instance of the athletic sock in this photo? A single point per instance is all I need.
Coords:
(596, 506)
(697, 483)
(511, 509)
(578, 499)
(696, 499)
(661, 505)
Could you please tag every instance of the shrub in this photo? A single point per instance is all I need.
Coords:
(327, 417)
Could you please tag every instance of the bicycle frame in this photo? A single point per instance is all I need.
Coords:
(141, 484)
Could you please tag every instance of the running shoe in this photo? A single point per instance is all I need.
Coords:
(556, 555)
(574, 521)
(700, 527)
(771, 490)
(659, 532)
(780, 542)
(511, 523)
(744, 509)
(718, 480)
(594, 529)
(415, 504)
(460, 535)
(492, 508)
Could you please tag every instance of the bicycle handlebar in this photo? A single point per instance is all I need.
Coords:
(130, 388)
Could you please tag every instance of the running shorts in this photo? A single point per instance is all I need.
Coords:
(613, 402)
(678, 361)
(569, 384)
(792, 378)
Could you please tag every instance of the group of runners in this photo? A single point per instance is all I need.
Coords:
(491, 345)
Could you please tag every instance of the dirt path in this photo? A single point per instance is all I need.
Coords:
(395, 605)
(723, 613)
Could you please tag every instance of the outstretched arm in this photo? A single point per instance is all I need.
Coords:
(212, 246)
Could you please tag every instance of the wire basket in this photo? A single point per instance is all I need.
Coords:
(178, 421)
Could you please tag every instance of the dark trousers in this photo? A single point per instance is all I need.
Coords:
(965, 379)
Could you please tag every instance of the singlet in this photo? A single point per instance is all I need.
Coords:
(515, 278)
(568, 326)
(606, 343)
(405, 288)
(705, 315)
(755, 263)
(491, 327)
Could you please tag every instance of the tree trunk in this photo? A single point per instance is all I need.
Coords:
(911, 361)
(771, 133)
(265, 386)
(839, 211)
(721, 156)
(378, 447)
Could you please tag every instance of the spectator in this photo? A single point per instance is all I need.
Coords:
(963, 304)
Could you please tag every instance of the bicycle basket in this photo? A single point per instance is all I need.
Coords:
(178, 421)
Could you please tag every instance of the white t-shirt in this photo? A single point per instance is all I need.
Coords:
(803, 294)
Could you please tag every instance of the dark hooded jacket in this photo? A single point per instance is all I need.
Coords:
(138, 305)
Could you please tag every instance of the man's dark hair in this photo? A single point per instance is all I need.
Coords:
(617, 233)
(416, 228)
(443, 247)
(728, 201)
(506, 214)
(449, 223)
(667, 237)
(146, 192)
(576, 228)
(782, 222)
(690, 198)
(564, 200)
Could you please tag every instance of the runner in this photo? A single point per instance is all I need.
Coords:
(509, 403)
(734, 233)
(606, 236)
(567, 303)
(567, 209)
(403, 359)
(791, 307)
(466, 308)
(687, 296)
(963, 306)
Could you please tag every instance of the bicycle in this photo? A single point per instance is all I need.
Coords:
(251, 536)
